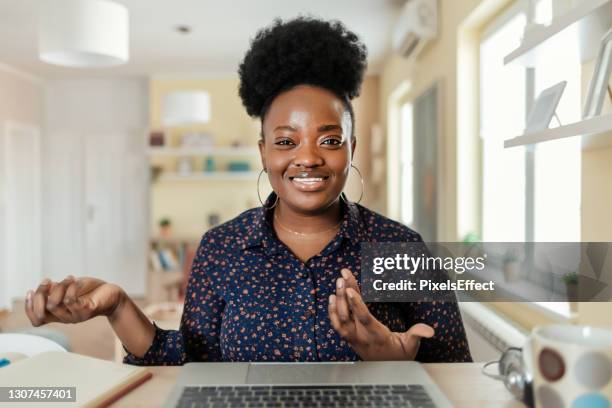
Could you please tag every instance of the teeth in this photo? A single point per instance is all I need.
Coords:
(308, 180)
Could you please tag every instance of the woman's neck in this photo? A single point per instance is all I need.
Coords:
(308, 223)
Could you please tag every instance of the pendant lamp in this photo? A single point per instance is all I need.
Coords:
(186, 108)
(83, 33)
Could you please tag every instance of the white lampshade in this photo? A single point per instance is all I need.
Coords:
(186, 108)
(83, 33)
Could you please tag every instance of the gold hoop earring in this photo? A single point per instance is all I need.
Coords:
(259, 196)
(343, 196)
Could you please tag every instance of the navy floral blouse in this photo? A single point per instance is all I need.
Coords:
(249, 298)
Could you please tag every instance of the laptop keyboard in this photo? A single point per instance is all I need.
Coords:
(306, 396)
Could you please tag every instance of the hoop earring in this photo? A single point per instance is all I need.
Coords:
(259, 196)
(343, 196)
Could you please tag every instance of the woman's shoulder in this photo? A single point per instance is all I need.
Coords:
(235, 232)
(379, 228)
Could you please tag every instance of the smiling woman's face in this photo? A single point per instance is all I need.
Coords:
(307, 147)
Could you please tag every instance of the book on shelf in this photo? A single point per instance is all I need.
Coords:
(155, 263)
(164, 260)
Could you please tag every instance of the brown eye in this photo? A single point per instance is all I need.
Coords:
(332, 142)
(284, 142)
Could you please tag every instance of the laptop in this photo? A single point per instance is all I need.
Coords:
(332, 384)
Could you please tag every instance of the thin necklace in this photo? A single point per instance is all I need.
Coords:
(280, 224)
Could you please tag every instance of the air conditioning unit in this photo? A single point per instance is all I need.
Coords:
(416, 27)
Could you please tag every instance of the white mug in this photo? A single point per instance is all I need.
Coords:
(571, 366)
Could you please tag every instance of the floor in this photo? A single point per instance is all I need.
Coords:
(94, 337)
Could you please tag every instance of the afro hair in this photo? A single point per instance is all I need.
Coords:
(301, 51)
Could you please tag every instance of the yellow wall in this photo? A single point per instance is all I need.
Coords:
(188, 203)
(366, 108)
(437, 63)
(228, 121)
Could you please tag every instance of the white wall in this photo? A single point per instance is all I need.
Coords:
(95, 180)
(21, 101)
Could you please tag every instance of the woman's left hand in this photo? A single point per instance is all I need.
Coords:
(371, 339)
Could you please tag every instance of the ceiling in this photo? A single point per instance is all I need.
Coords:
(220, 35)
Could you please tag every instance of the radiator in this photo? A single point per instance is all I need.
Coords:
(489, 333)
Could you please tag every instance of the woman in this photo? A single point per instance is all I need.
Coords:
(279, 282)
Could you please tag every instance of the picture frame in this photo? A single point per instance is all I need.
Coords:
(544, 108)
(598, 86)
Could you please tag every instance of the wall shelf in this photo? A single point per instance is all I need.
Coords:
(594, 131)
(210, 176)
(585, 24)
(202, 151)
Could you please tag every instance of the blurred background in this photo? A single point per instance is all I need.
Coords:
(115, 160)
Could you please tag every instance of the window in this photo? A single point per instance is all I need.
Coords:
(502, 113)
(528, 193)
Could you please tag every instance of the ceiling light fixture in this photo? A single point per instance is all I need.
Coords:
(83, 33)
(186, 108)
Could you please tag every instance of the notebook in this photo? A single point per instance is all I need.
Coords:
(98, 382)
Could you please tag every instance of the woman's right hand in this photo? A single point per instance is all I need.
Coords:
(72, 300)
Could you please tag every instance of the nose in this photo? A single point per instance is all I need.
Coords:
(307, 155)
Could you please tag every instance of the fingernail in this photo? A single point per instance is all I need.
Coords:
(350, 295)
(46, 281)
(340, 283)
(345, 273)
(331, 299)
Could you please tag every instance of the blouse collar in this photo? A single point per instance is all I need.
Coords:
(261, 232)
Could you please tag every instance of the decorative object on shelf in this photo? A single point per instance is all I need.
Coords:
(209, 164)
(83, 33)
(165, 227)
(156, 171)
(600, 80)
(213, 220)
(571, 286)
(185, 166)
(236, 165)
(197, 139)
(544, 108)
(237, 143)
(182, 108)
(156, 138)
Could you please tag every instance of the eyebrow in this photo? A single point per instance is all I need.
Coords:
(326, 128)
(323, 128)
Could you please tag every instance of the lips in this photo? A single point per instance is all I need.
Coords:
(309, 181)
